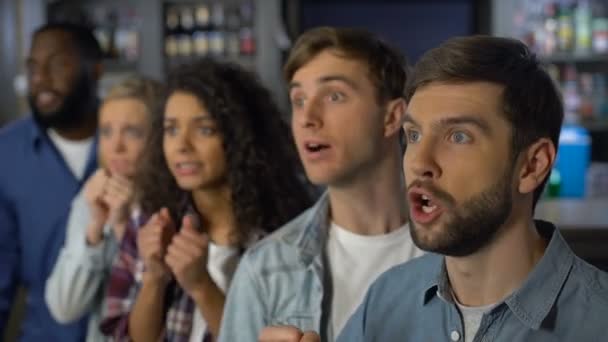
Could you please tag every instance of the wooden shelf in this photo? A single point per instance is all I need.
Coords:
(575, 57)
(595, 125)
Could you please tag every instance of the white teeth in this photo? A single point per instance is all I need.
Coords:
(425, 197)
(313, 145)
(187, 166)
(428, 209)
(46, 97)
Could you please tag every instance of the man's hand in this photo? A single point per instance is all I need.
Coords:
(287, 334)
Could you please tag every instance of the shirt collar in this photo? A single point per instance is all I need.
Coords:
(311, 239)
(437, 283)
(533, 301)
(36, 133)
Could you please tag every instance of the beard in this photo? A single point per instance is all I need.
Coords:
(472, 226)
(74, 108)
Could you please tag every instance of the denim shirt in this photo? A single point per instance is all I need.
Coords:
(280, 280)
(563, 299)
(36, 190)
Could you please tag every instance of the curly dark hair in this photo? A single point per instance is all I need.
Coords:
(265, 176)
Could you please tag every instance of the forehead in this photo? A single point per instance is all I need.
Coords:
(330, 62)
(183, 103)
(128, 110)
(437, 100)
(52, 42)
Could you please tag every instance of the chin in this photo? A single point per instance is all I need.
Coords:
(187, 184)
(323, 177)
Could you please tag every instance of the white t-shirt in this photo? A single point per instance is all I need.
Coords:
(471, 318)
(355, 261)
(75, 153)
(221, 265)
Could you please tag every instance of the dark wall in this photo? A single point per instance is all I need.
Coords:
(413, 25)
(9, 63)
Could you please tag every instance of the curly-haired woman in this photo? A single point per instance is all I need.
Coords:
(219, 171)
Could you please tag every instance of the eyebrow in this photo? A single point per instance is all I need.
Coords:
(30, 59)
(455, 120)
(327, 79)
(199, 118)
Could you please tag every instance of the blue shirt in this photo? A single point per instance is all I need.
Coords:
(280, 280)
(563, 299)
(36, 189)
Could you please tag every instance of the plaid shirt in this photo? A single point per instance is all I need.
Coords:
(125, 281)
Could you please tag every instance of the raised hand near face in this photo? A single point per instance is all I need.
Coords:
(152, 242)
(187, 256)
(287, 334)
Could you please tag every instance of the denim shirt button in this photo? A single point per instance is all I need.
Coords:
(455, 335)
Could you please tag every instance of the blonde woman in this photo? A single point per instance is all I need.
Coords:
(100, 212)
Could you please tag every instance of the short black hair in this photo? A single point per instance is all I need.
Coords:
(83, 38)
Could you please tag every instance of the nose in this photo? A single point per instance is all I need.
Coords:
(38, 76)
(420, 159)
(309, 115)
(183, 140)
(119, 143)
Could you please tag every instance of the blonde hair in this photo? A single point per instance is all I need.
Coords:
(150, 92)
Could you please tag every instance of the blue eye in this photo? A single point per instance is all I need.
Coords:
(170, 130)
(412, 136)
(134, 132)
(336, 97)
(105, 132)
(207, 130)
(460, 138)
(297, 102)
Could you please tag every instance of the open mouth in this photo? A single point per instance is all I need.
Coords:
(424, 207)
(427, 204)
(315, 147)
(46, 98)
(187, 168)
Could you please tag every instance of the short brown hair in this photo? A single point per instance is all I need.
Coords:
(531, 101)
(387, 65)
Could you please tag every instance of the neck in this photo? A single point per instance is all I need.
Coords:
(494, 272)
(374, 204)
(216, 209)
(84, 130)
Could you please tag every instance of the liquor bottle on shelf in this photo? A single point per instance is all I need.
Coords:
(572, 99)
(185, 43)
(600, 28)
(127, 35)
(586, 109)
(172, 31)
(217, 36)
(202, 25)
(247, 41)
(582, 24)
(202, 17)
(565, 28)
(232, 26)
(549, 44)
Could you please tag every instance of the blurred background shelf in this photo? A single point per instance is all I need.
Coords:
(576, 57)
